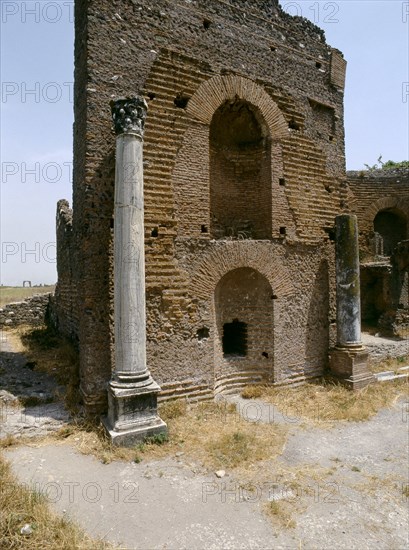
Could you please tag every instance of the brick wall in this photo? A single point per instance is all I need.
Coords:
(373, 192)
(65, 314)
(380, 199)
(188, 60)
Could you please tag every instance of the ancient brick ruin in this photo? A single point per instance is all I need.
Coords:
(380, 199)
(244, 174)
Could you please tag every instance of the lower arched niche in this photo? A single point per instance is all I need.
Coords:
(244, 317)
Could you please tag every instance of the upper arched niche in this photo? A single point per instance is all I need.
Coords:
(240, 172)
(214, 92)
(384, 203)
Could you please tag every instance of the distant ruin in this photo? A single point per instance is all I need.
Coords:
(380, 199)
(244, 175)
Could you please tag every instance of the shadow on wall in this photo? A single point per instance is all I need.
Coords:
(317, 334)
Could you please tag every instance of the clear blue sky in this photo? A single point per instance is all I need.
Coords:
(36, 129)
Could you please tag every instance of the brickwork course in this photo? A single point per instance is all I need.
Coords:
(244, 173)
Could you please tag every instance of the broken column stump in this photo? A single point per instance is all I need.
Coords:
(349, 358)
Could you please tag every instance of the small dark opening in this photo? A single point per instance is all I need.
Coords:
(333, 321)
(151, 95)
(273, 48)
(318, 65)
(112, 223)
(155, 232)
(235, 339)
(331, 138)
(328, 189)
(283, 231)
(330, 231)
(265, 354)
(203, 229)
(281, 181)
(181, 101)
(274, 297)
(206, 23)
(293, 125)
(203, 333)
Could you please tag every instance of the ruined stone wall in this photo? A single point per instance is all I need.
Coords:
(65, 314)
(380, 199)
(188, 59)
(371, 192)
(31, 311)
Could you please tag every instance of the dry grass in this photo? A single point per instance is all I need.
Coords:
(281, 512)
(8, 441)
(212, 434)
(403, 333)
(392, 364)
(330, 402)
(252, 392)
(389, 487)
(9, 294)
(215, 434)
(20, 506)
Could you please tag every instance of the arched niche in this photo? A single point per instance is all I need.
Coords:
(391, 225)
(240, 172)
(244, 316)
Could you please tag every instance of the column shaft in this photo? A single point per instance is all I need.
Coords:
(129, 261)
(349, 359)
(347, 279)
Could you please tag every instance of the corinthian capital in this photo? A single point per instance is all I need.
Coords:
(129, 115)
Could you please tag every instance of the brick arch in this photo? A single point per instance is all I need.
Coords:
(234, 255)
(214, 92)
(385, 203)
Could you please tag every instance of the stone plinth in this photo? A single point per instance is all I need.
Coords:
(350, 367)
(132, 415)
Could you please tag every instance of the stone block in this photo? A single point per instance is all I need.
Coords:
(132, 415)
(350, 367)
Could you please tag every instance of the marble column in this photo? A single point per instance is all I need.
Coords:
(349, 359)
(132, 393)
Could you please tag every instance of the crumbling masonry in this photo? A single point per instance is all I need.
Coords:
(244, 174)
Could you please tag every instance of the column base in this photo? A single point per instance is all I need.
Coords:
(132, 413)
(350, 367)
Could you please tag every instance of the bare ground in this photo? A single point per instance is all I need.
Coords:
(342, 486)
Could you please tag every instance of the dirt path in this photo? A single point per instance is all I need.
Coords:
(28, 399)
(344, 487)
(352, 495)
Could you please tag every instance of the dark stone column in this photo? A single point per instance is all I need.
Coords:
(132, 393)
(349, 359)
(348, 287)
